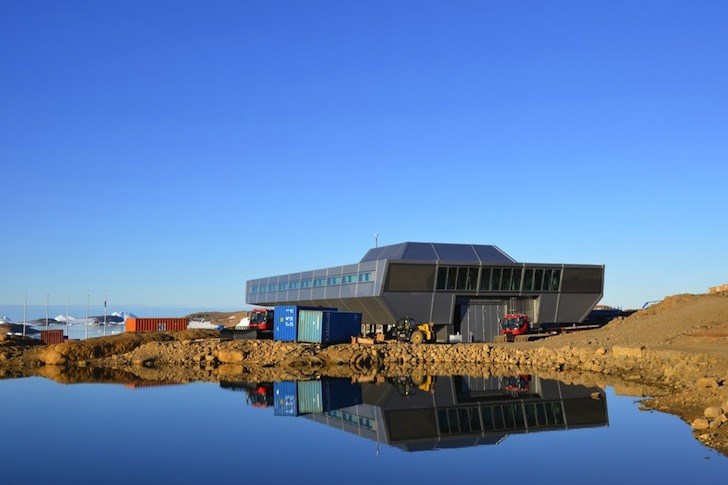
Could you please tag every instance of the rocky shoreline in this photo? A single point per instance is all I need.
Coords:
(679, 363)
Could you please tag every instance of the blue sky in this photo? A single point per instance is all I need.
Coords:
(165, 152)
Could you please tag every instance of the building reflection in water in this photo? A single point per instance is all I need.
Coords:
(453, 412)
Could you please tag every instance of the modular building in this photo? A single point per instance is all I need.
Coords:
(464, 289)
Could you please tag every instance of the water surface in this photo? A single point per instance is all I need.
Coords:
(236, 431)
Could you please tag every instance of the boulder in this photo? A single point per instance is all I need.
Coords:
(712, 412)
(230, 356)
(700, 424)
(708, 382)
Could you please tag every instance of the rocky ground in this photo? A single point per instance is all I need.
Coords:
(675, 353)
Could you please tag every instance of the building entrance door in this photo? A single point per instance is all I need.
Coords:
(480, 319)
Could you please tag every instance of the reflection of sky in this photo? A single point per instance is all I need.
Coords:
(103, 433)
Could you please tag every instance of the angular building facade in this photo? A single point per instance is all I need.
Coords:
(464, 289)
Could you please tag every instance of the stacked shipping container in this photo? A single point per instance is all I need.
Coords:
(304, 397)
(317, 325)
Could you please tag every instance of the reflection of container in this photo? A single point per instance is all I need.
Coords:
(285, 321)
(134, 324)
(285, 398)
(51, 336)
(327, 395)
(295, 398)
(328, 327)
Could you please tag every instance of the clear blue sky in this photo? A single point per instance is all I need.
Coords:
(165, 152)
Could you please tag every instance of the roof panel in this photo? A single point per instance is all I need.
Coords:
(415, 251)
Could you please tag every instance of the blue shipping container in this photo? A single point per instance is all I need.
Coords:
(327, 395)
(328, 327)
(285, 395)
(285, 321)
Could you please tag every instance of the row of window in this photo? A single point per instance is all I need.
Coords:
(498, 279)
(486, 418)
(314, 282)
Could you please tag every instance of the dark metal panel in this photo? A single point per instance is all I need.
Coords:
(410, 277)
(455, 252)
(574, 307)
(415, 305)
(492, 255)
(442, 308)
(420, 252)
(547, 308)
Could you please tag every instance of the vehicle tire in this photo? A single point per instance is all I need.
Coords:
(417, 337)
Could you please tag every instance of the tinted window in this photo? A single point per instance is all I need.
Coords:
(582, 280)
(410, 277)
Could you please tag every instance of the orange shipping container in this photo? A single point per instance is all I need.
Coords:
(162, 324)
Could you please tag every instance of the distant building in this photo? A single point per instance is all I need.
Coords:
(462, 288)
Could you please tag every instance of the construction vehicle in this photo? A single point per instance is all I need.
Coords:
(257, 325)
(408, 330)
(261, 319)
(408, 386)
(516, 385)
(516, 327)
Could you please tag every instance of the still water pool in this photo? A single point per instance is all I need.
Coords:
(498, 430)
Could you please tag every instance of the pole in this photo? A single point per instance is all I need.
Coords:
(46, 309)
(105, 298)
(376, 240)
(25, 312)
(85, 324)
(68, 316)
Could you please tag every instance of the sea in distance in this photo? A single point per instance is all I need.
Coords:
(447, 429)
(77, 330)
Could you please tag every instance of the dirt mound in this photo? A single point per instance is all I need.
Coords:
(681, 322)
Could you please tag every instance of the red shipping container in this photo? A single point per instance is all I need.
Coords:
(154, 324)
(51, 336)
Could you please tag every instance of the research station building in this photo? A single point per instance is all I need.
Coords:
(464, 289)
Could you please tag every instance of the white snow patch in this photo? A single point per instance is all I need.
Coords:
(5, 319)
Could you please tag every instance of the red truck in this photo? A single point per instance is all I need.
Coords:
(261, 319)
(515, 327)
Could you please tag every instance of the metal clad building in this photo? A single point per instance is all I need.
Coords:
(462, 288)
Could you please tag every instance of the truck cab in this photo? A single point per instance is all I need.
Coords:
(515, 324)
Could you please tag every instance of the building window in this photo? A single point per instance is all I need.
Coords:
(272, 287)
(541, 279)
(333, 281)
(305, 283)
(293, 285)
(365, 277)
(282, 286)
(349, 279)
(318, 282)
(254, 289)
(457, 278)
(485, 279)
